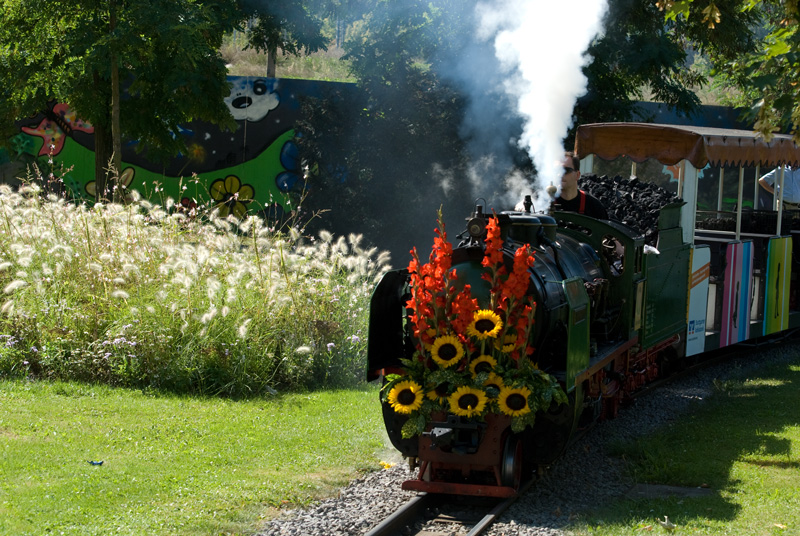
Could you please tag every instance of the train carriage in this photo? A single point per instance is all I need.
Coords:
(746, 265)
(609, 312)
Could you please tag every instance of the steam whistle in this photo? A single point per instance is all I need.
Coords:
(551, 190)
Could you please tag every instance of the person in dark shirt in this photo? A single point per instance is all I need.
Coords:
(573, 199)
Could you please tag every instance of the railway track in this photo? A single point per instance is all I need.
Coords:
(445, 515)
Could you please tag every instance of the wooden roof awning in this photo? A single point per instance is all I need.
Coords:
(669, 144)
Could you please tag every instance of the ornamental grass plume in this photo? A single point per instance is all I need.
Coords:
(136, 295)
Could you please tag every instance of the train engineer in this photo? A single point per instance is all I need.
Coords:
(572, 198)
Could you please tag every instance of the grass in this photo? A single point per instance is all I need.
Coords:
(744, 444)
(173, 465)
(144, 295)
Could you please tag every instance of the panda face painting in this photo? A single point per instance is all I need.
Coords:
(251, 99)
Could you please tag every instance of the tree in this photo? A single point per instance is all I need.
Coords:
(80, 52)
(151, 65)
(766, 68)
(292, 27)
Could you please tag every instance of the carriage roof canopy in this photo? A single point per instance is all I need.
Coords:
(669, 144)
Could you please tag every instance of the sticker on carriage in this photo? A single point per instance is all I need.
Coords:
(698, 300)
(779, 273)
(735, 325)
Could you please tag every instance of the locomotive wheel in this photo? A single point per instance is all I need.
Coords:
(511, 462)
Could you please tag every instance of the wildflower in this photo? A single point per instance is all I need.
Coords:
(302, 350)
(330, 346)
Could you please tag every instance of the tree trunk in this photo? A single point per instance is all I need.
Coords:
(115, 167)
(272, 59)
(103, 147)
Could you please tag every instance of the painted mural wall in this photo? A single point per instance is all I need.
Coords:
(251, 170)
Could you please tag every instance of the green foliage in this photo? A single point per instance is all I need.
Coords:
(173, 465)
(636, 52)
(292, 27)
(765, 64)
(138, 296)
(166, 52)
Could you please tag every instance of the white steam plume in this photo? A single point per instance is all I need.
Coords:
(533, 52)
(541, 45)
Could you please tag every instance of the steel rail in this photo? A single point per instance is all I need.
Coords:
(402, 517)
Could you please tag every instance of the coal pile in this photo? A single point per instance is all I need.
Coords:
(632, 202)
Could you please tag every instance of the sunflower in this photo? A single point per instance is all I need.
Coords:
(508, 344)
(513, 401)
(405, 396)
(468, 401)
(494, 381)
(482, 363)
(439, 393)
(447, 350)
(485, 324)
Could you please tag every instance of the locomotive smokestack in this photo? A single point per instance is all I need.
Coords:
(527, 204)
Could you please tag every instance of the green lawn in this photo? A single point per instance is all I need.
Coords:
(180, 465)
(173, 465)
(743, 444)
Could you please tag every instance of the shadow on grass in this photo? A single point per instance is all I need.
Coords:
(747, 430)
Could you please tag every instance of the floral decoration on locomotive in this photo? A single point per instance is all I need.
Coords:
(471, 359)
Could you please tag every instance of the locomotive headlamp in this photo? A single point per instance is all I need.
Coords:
(476, 225)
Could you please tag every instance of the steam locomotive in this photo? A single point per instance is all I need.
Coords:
(487, 377)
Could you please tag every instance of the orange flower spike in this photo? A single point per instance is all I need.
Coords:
(494, 244)
(462, 310)
(519, 279)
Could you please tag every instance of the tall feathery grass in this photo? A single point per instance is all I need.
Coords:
(135, 295)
